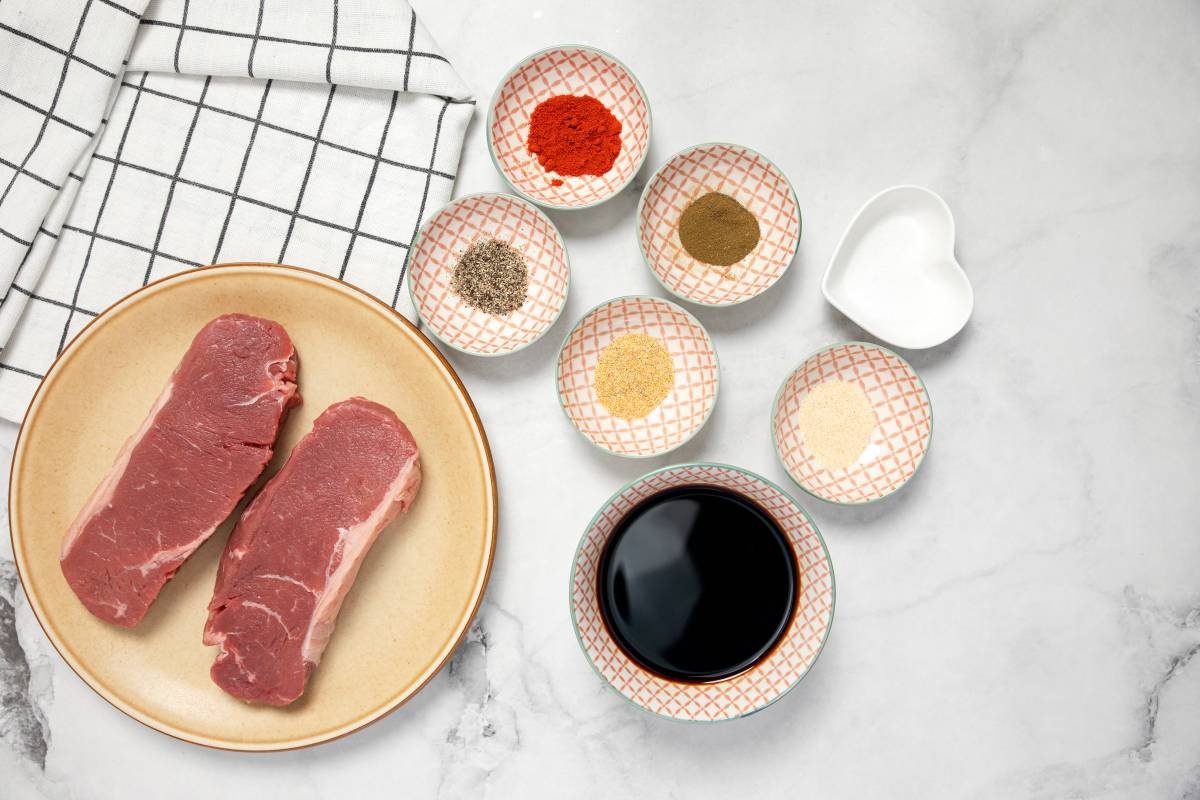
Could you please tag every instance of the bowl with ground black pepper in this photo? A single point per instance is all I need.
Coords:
(638, 376)
(718, 224)
(852, 423)
(488, 273)
(569, 127)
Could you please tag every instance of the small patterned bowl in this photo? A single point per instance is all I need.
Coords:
(900, 438)
(752, 180)
(448, 233)
(684, 411)
(575, 70)
(743, 694)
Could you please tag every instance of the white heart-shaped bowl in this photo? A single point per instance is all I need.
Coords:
(686, 408)
(448, 233)
(749, 691)
(568, 69)
(904, 423)
(894, 272)
(745, 175)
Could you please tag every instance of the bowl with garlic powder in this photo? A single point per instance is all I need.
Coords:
(637, 376)
(852, 423)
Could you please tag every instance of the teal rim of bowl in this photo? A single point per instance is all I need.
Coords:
(775, 411)
(575, 327)
(786, 180)
(412, 297)
(492, 113)
(685, 465)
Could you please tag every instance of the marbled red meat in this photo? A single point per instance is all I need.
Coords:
(297, 549)
(204, 443)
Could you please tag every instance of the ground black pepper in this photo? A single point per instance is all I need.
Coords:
(491, 276)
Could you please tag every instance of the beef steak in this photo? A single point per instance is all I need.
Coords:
(297, 549)
(204, 443)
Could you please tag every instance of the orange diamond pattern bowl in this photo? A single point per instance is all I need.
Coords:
(904, 423)
(573, 70)
(744, 175)
(750, 691)
(685, 409)
(454, 228)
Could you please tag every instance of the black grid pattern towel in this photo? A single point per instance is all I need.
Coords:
(140, 140)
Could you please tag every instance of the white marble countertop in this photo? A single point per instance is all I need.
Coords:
(1023, 620)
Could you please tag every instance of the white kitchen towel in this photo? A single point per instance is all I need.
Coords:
(310, 132)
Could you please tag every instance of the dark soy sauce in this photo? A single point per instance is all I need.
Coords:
(697, 583)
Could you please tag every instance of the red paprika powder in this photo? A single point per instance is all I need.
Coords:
(574, 135)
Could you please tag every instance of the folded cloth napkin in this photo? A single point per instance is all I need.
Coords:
(140, 140)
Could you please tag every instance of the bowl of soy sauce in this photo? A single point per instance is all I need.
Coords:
(702, 592)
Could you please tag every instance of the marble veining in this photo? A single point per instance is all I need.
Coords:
(1021, 621)
(21, 722)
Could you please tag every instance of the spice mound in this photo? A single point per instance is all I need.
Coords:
(718, 230)
(836, 420)
(491, 276)
(574, 135)
(633, 376)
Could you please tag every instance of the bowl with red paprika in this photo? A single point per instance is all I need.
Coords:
(569, 127)
(718, 224)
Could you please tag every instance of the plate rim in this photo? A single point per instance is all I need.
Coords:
(312, 740)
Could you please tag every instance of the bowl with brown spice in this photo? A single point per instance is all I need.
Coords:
(852, 423)
(638, 376)
(718, 224)
(569, 127)
(489, 274)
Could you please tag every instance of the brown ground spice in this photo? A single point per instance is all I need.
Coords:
(718, 230)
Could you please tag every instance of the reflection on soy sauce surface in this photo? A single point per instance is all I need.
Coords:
(697, 583)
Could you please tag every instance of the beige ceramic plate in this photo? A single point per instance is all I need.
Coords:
(419, 587)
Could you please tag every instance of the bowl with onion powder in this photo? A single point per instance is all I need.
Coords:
(488, 274)
(638, 376)
(718, 224)
(852, 423)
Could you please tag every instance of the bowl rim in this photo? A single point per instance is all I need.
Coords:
(412, 296)
(642, 203)
(717, 378)
(751, 474)
(491, 115)
(775, 413)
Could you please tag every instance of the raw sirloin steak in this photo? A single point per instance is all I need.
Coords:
(205, 441)
(297, 548)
